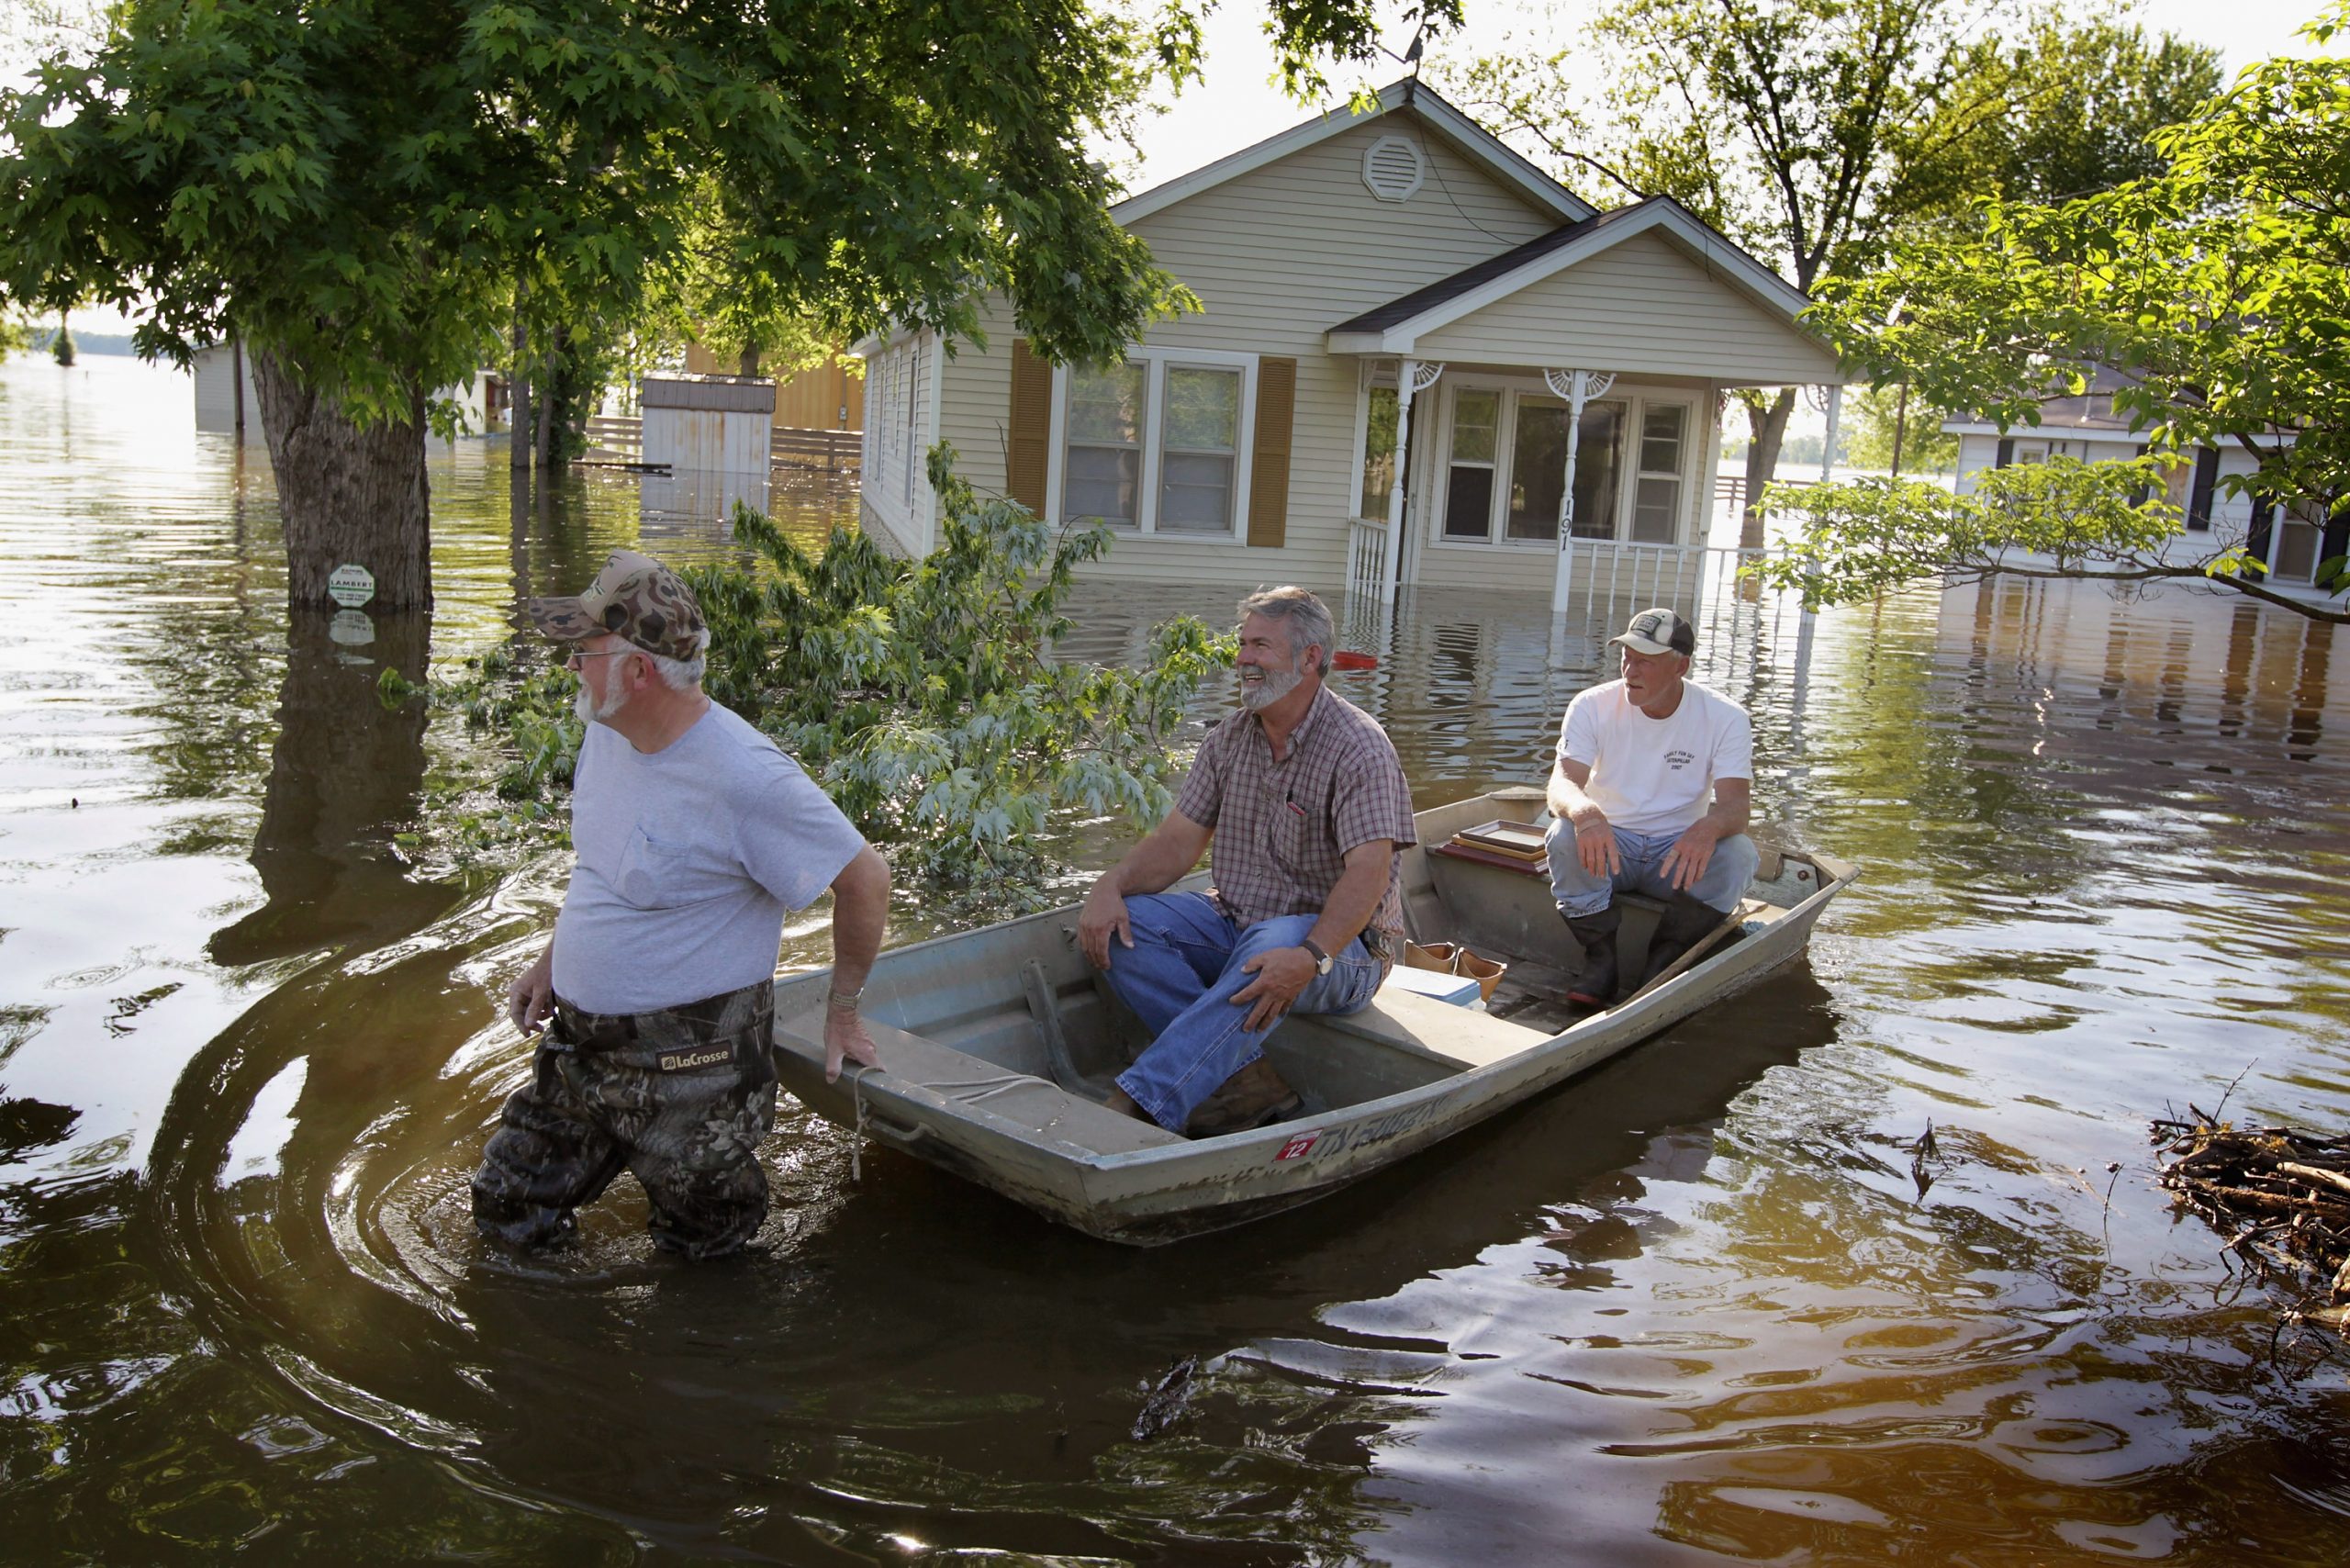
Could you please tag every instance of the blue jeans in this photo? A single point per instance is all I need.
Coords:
(1179, 977)
(1641, 857)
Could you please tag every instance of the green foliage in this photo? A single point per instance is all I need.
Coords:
(922, 694)
(1813, 133)
(60, 347)
(367, 189)
(2218, 288)
(925, 698)
(1872, 417)
(1866, 537)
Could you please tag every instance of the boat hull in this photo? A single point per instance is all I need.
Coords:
(1002, 1093)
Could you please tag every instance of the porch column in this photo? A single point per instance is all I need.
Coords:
(1578, 387)
(1411, 376)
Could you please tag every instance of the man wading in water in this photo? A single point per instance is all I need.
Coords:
(695, 835)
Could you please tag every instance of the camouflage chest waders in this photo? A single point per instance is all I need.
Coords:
(681, 1098)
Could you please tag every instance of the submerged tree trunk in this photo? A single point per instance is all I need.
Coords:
(517, 395)
(351, 494)
(1768, 428)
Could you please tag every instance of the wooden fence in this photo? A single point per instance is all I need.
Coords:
(619, 438)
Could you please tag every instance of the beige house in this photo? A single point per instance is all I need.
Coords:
(1397, 278)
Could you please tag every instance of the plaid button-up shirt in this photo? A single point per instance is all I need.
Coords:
(1282, 829)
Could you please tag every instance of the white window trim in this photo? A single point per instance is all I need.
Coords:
(1636, 402)
(1155, 362)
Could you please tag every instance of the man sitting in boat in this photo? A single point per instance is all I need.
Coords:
(1650, 794)
(1306, 804)
(695, 835)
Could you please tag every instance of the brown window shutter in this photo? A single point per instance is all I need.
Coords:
(1269, 461)
(1029, 442)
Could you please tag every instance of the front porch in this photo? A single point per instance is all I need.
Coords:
(1549, 420)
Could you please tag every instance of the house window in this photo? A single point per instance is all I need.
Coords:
(1469, 485)
(1105, 427)
(1158, 443)
(1656, 494)
(1199, 450)
(1377, 455)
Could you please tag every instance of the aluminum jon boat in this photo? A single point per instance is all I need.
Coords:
(999, 1044)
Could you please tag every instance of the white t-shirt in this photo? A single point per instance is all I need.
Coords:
(1656, 775)
(689, 859)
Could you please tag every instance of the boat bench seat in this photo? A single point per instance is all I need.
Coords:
(1035, 1104)
(1457, 1036)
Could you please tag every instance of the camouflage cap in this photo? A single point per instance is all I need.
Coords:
(635, 598)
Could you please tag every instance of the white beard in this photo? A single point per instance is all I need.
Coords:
(590, 712)
(1277, 684)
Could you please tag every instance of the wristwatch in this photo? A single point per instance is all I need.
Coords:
(1321, 960)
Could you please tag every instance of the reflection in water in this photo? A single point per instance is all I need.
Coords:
(1693, 1306)
(344, 773)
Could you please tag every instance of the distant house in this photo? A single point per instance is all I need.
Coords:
(1363, 273)
(2291, 536)
(216, 372)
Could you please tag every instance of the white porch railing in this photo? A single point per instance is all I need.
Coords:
(1366, 559)
(1604, 572)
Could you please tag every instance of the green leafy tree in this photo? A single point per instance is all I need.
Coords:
(1813, 133)
(2062, 517)
(922, 694)
(370, 193)
(1886, 427)
(60, 347)
(2217, 286)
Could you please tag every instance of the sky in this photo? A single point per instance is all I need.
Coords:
(1237, 105)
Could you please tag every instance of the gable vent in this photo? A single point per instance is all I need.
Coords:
(1392, 168)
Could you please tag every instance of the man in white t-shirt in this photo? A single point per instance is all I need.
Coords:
(1651, 794)
(695, 836)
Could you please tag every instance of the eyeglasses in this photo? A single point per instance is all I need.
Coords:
(571, 660)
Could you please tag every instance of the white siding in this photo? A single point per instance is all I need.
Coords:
(1643, 307)
(900, 423)
(1277, 256)
(2231, 515)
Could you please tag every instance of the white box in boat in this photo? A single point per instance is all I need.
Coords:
(1458, 990)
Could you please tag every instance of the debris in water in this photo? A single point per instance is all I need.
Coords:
(1921, 1152)
(1165, 1401)
(2281, 1198)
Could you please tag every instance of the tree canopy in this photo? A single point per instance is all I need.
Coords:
(2217, 287)
(371, 192)
(1813, 133)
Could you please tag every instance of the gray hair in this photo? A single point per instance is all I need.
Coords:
(1307, 617)
(680, 675)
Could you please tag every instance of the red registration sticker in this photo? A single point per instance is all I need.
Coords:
(1297, 1147)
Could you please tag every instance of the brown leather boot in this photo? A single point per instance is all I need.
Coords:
(1254, 1097)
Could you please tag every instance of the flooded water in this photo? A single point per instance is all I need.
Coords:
(1692, 1307)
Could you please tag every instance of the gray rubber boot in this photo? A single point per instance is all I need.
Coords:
(1678, 929)
(1595, 986)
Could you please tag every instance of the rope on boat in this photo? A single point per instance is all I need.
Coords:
(857, 1137)
(986, 1086)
